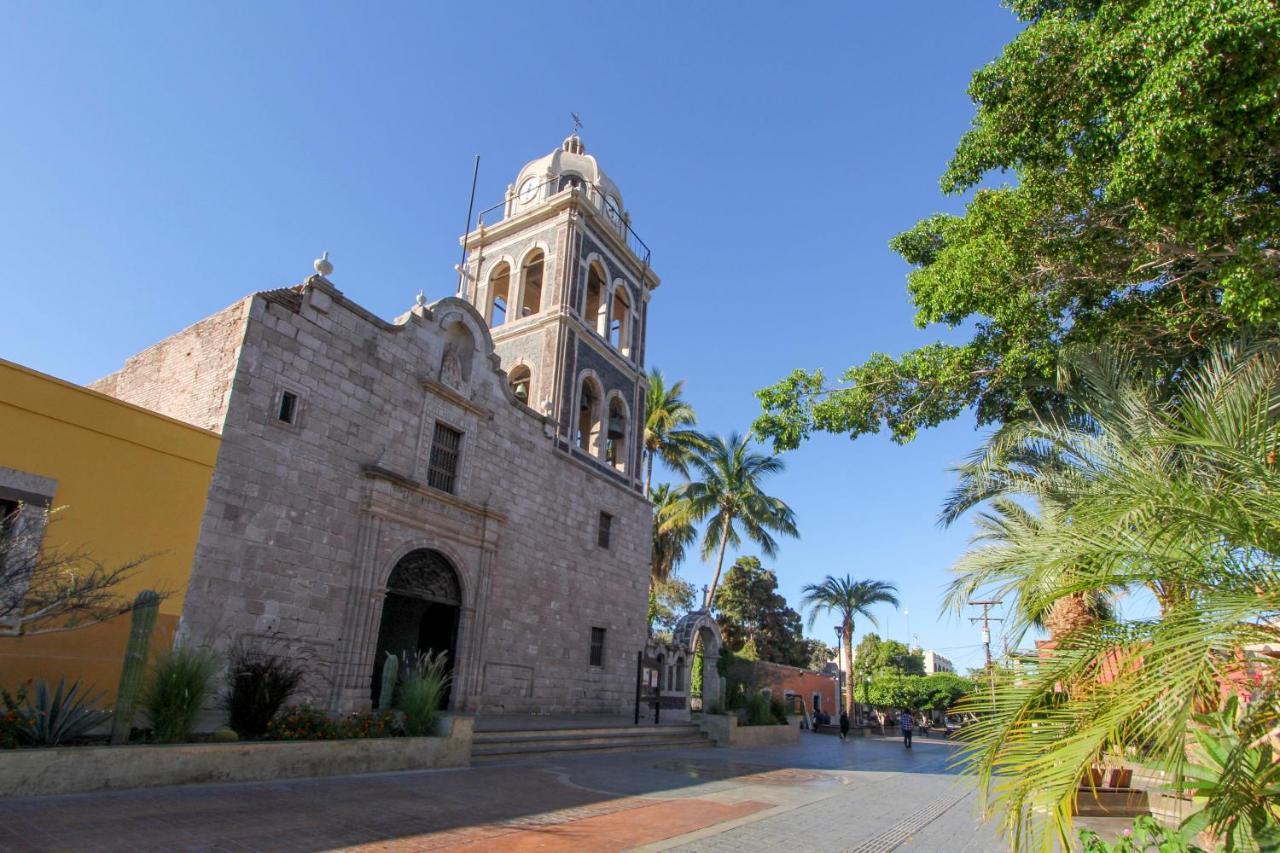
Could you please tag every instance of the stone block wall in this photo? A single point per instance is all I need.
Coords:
(305, 521)
(186, 376)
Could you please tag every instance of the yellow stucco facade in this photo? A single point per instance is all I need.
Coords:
(125, 482)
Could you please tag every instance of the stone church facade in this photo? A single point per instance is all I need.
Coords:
(465, 478)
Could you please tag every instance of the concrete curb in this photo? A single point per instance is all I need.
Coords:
(82, 769)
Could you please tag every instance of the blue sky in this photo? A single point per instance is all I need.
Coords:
(163, 160)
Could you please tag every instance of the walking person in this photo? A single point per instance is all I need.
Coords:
(844, 725)
(907, 723)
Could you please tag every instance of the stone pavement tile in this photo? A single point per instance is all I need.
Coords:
(875, 811)
(618, 831)
(828, 795)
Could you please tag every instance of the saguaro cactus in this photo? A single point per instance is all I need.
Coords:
(390, 669)
(145, 608)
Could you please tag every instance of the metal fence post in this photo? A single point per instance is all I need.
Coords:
(639, 675)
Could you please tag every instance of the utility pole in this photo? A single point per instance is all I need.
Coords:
(986, 619)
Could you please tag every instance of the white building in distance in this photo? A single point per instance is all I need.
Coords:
(935, 663)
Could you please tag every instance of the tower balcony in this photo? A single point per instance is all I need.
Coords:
(563, 189)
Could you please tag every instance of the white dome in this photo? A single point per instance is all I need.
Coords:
(571, 158)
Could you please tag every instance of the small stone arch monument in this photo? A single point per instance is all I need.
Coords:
(697, 630)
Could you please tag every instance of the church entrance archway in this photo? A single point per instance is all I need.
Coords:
(419, 613)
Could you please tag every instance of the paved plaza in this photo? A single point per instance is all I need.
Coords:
(864, 795)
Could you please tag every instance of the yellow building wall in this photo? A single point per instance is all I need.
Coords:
(129, 482)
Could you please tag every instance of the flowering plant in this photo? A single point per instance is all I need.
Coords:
(302, 722)
(305, 722)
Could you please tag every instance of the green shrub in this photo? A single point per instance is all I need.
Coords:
(303, 722)
(179, 686)
(13, 720)
(224, 735)
(778, 710)
(1145, 835)
(258, 685)
(422, 694)
(756, 710)
(62, 715)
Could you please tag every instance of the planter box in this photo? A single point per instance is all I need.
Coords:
(79, 769)
(1110, 802)
(723, 729)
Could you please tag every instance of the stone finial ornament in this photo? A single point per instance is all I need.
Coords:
(322, 265)
(421, 299)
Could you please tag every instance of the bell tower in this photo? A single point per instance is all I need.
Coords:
(564, 284)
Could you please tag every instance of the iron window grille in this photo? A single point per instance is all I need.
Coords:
(442, 470)
(597, 646)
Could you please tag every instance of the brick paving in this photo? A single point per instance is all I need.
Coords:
(866, 795)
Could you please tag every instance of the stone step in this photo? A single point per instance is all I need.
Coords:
(541, 751)
(586, 731)
(480, 747)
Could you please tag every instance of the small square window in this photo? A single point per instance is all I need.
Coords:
(446, 448)
(8, 514)
(603, 529)
(288, 407)
(597, 646)
(9, 511)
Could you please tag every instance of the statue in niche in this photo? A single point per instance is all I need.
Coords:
(451, 367)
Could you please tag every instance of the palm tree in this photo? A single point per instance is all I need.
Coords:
(1176, 493)
(1002, 530)
(727, 494)
(668, 428)
(1117, 438)
(672, 534)
(847, 598)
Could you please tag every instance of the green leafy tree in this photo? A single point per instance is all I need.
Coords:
(875, 656)
(728, 495)
(900, 658)
(891, 689)
(847, 599)
(668, 428)
(1141, 134)
(755, 619)
(944, 689)
(866, 662)
(669, 600)
(817, 654)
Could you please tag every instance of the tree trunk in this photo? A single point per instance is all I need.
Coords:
(715, 579)
(648, 474)
(1067, 614)
(847, 642)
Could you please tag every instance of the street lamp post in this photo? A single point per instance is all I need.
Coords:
(840, 664)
